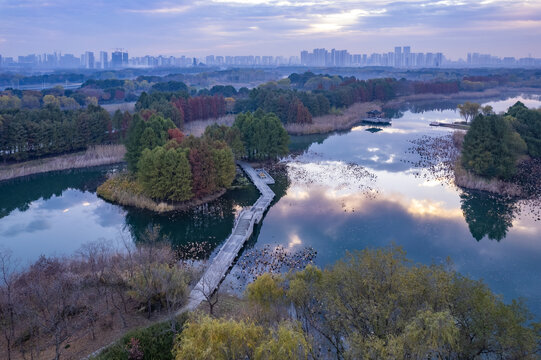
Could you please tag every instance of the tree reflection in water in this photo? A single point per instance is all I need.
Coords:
(488, 215)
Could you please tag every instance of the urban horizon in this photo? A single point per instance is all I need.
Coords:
(399, 57)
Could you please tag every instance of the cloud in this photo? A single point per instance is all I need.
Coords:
(161, 10)
(33, 226)
(274, 27)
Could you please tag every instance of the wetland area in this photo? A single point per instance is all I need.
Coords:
(356, 189)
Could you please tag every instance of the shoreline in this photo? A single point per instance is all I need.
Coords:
(329, 123)
(121, 190)
(466, 180)
(94, 156)
(353, 115)
(471, 95)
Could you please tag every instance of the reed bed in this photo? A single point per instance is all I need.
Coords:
(466, 179)
(333, 122)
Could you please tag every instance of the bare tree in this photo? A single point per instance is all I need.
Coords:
(52, 296)
(211, 296)
(95, 258)
(8, 301)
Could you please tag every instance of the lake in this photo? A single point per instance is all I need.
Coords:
(343, 191)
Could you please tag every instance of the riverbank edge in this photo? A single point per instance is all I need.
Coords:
(94, 156)
(354, 114)
(130, 195)
(463, 95)
(466, 180)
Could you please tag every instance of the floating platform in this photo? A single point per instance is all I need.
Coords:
(377, 120)
(452, 126)
(264, 176)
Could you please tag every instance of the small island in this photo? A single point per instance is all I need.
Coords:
(168, 171)
(500, 153)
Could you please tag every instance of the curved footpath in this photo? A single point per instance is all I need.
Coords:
(242, 230)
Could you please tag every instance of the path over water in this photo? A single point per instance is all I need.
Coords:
(242, 230)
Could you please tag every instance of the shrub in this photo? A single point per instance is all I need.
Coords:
(155, 341)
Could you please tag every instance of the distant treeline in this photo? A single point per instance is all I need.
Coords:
(26, 134)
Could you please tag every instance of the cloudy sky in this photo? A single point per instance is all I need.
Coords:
(270, 27)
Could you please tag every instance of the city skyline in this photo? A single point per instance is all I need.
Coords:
(280, 27)
(398, 57)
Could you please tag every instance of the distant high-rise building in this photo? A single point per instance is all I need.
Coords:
(398, 56)
(304, 57)
(89, 60)
(406, 57)
(104, 60)
(125, 59)
(116, 59)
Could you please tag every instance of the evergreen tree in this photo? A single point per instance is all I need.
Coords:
(491, 147)
(181, 178)
(224, 162)
(230, 135)
(263, 135)
(145, 135)
(528, 124)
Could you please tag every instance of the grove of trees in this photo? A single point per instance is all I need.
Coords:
(180, 107)
(27, 134)
(494, 144)
(262, 134)
(372, 304)
(170, 166)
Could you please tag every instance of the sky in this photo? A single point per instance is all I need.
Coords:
(270, 27)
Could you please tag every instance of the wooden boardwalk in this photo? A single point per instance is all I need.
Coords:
(242, 230)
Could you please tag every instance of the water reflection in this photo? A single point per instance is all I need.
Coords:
(487, 215)
(20, 193)
(210, 223)
(330, 210)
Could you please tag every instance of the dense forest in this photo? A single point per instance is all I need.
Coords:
(494, 144)
(26, 134)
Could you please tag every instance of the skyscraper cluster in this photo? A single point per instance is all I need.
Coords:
(402, 57)
(119, 58)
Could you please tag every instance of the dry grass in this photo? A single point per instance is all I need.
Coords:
(466, 179)
(328, 123)
(94, 156)
(122, 189)
(197, 128)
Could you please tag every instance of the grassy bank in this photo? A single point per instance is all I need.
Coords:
(94, 156)
(466, 179)
(124, 190)
(334, 122)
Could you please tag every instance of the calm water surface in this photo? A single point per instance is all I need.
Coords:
(342, 192)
